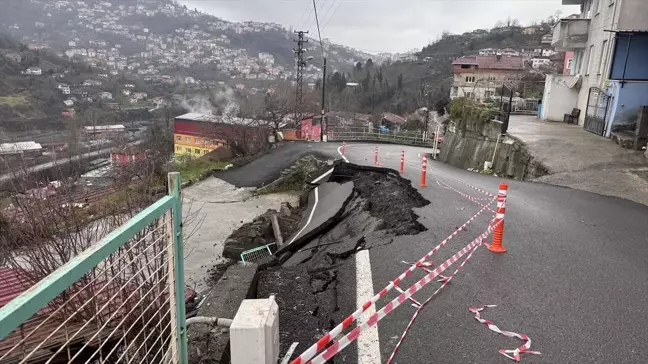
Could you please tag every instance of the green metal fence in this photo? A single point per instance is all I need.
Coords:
(120, 301)
(344, 133)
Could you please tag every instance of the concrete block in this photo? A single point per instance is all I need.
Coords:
(255, 332)
(209, 344)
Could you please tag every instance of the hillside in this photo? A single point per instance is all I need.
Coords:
(24, 98)
(119, 22)
(404, 86)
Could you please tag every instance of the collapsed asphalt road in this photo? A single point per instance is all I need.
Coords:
(360, 206)
(572, 279)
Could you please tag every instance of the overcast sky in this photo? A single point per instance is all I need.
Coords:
(383, 25)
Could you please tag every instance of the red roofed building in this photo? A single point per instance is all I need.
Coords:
(477, 77)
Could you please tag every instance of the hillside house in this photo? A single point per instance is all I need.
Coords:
(608, 77)
(105, 95)
(104, 131)
(533, 29)
(509, 52)
(69, 103)
(34, 71)
(65, 89)
(477, 77)
(91, 83)
(540, 62)
(13, 57)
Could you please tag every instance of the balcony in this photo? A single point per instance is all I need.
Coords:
(570, 34)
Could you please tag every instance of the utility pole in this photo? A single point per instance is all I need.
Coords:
(322, 123)
(299, 59)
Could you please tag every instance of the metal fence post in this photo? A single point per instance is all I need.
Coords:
(178, 260)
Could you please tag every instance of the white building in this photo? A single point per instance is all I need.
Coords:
(19, 148)
(539, 62)
(34, 71)
(266, 58)
(608, 80)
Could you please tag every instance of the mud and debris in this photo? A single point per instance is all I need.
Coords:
(259, 232)
(385, 195)
(307, 285)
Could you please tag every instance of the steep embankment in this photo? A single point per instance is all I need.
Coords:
(479, 143)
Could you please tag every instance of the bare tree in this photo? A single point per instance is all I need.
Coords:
(277, 105)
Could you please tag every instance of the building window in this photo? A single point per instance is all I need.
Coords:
(188, 139)
(198, 140)
(470, 79)
(454, 91)
(604, 57)
(468, 95)
(590, 60)
(178, 149)
(205, 151)
(488, 94)
(197, 151)
(188, 150)
(178, 138)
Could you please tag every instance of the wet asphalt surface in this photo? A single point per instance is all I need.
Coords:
(267, 168)
(573, 279)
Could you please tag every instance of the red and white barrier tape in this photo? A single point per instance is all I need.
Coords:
(338, 345)
(476, 200)
(467, 184)
(445, 283)
(511, 354)
(328, 337)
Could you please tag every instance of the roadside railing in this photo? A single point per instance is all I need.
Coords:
(524, 107)
(337, 133)
(120, 301)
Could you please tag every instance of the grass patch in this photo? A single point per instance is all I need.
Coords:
(296, 179)
(192, 170)
(13, 100)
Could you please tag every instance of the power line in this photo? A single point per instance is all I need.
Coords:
(332, 15)
(319, 33)
(332, 3)
(301, 18)
(308, 19)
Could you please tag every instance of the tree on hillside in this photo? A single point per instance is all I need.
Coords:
(369, 65)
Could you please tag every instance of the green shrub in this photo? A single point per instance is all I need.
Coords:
(468, 113)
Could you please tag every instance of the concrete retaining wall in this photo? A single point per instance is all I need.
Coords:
(472, 149)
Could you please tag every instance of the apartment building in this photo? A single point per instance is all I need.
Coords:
(608, 77)
(478, 77)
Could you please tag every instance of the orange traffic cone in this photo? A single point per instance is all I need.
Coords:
(498, 234)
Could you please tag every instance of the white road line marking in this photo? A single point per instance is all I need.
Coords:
(322, 176)
(310, 217)
(340, 153)
(368, 341)
(289, 353)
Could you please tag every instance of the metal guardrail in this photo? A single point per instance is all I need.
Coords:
(374, 135)
(120, 301)
(524, 107)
